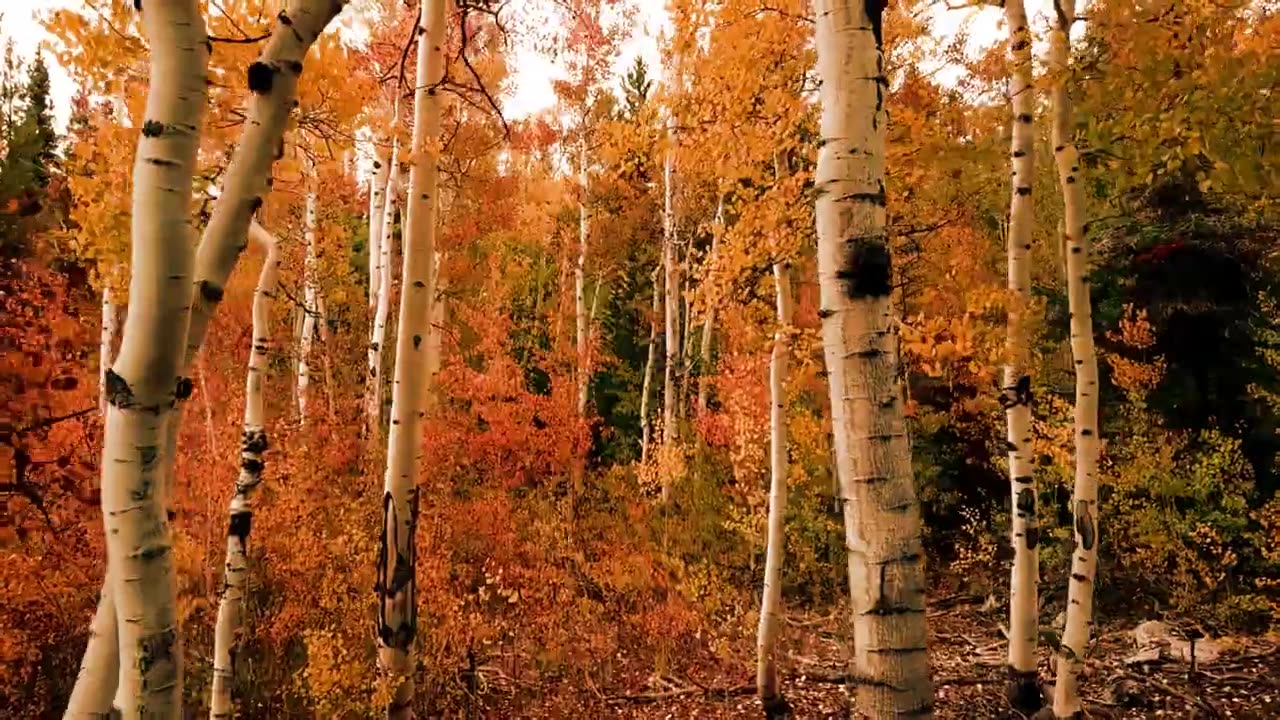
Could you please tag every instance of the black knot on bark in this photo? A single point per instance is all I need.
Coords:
(284, 18)
(261, 77)
(119, 394)
(184, 388)
(210, 292)
(254, 441)
(867, 270)
(152, 128)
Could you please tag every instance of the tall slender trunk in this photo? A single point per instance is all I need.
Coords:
(646, 425)
(397, 602)
(377, 199)
(435, 334)
(106, 343)
(144, 383)
(672, 283)
(1075, 638)
(873, 453)
(326, 353)
(709, 318)
(775, 705)
(309, 306)
(1024, 694)
(253, 444)
(273, 81)
(579, 284)
(378, 339)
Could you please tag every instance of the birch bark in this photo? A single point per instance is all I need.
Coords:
(397, 602)
(771, 697)
(1023, 690)
(646, 425)
(672, 303)
(1075, 637)
(873, 454)
(144, 384)
(709, 320)
(253, 444)
(378, 340)
(309, 306)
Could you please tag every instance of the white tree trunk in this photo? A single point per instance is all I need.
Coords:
(95, 688)
(106, 343)
(253, 443)
(310, 308)
(273, 80)
(709, 320)
(326, 349)
(144, 383)
(397, 602)
(1075, 638)
(873, 454)
(1023, 691)
(646, 425)
(771, 697)
(435, 335)
(579, 284)
(378, 339)
(377, 199)
(672, 284)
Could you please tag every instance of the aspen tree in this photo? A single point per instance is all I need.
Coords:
(646, 425)
(1075, 637)
(771, 697)
(397, 602)
(273, 81)
(377, 198)
(253, 443)
(579, 277)
(1023, 691)
(310, 307)
(671, 281)
(382, 309)
(144, 384)
(106, 343)
(873, 455)
(709, 319)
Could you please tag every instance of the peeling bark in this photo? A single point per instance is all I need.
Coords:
(227, 635)
(1075, 637)
(1023, 692)
(873, 453)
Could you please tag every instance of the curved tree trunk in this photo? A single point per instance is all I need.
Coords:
(1075, 638)
(873, 454)
(253, 443)
(378, 339)
(95, 688)
(273, 80)
(771, 697)
(397, 602)
(709, 320)
(646, 425)
(1023, 691)
(144, 385)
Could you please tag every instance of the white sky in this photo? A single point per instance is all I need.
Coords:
(534, 73)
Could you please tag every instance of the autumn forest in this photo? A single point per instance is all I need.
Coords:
(843, 361)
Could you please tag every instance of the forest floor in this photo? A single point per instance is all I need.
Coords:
(967, 651)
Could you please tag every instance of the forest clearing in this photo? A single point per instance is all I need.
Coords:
(639, 359)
